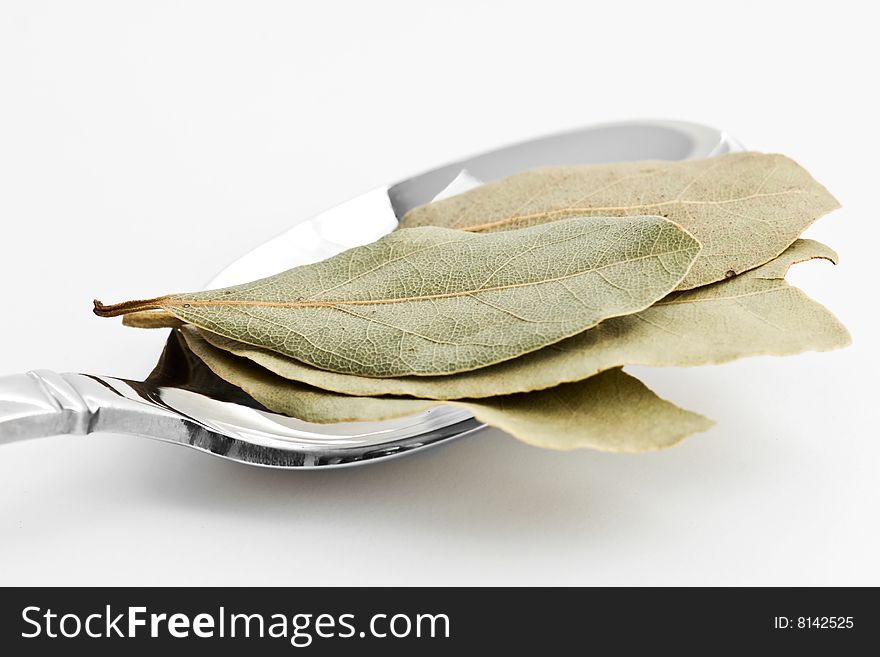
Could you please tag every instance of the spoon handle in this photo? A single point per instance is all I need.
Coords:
(41, 403)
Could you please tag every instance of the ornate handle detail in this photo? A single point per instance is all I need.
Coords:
(41, 403)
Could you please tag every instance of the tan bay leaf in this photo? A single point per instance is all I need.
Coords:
(297, 399)
(756, 313)
(744, 208)
(612, 412)
(430, 301)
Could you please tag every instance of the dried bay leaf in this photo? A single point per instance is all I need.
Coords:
(610, 412)
(152, 319)
(297, 399)
(744, 208)
(431, 301)
(756, 313)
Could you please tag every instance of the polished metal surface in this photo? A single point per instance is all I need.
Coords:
(42, 403)
(182, 402)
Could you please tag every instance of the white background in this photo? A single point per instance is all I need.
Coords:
(143, 145)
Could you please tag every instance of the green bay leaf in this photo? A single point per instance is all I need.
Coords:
(755, 313)
(612, 412)
(744, 208)
(430, 301)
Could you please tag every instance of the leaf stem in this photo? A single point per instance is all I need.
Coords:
(126, 307)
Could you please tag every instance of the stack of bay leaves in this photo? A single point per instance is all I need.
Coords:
(522, 299)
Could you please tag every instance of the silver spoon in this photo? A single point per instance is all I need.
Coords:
(182, 402)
